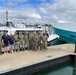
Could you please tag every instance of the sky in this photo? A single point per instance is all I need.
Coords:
(37, 11)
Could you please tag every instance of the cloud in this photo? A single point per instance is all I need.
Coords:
(59, 10)
(45, 12)
(19, 14)
(63, 9)
(27, 16)
(43, 0)
(24, 13)
(10, 4)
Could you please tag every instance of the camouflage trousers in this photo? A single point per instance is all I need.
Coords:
(35, 44)
(45, 45)
(40, 46)
(16, 46)
(30, 45)
(26, 44)
(21, 44)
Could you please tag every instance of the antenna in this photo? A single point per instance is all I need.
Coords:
(7, 23)
(6, 16)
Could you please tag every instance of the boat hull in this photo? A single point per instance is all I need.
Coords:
(66, 35)
(52, 38)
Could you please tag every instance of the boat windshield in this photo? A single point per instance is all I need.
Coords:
(8, 24)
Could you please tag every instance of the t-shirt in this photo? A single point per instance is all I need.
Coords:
(11, 40)
(6, 39)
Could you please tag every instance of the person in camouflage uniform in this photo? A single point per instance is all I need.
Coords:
(21, 41)
(16, 42)
(44, 38)
(31, 41)
(35, 41)
(0, 42)
(26, 41)
(39, 41)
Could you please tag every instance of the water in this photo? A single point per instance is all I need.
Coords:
(64, 69)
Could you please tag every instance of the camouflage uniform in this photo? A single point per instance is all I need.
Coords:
(35, 41)
(31, 41)
(26, 41)
(16, 42)
(40, 41)
(44, 41)
(21, 42)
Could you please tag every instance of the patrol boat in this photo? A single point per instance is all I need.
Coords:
(11, 28)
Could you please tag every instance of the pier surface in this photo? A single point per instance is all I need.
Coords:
(15, 60)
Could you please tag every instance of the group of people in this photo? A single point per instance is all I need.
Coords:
(20, 42)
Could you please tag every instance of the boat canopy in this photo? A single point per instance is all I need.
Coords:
(12, 30)
(29, 29)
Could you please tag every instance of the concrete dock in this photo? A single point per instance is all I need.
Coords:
(18, 59)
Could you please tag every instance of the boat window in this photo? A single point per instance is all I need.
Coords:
(73, 36)
(9, 24)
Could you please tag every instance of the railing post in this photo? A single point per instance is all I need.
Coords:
(75, 49)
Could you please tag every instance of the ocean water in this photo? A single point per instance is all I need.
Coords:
(63, 69)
